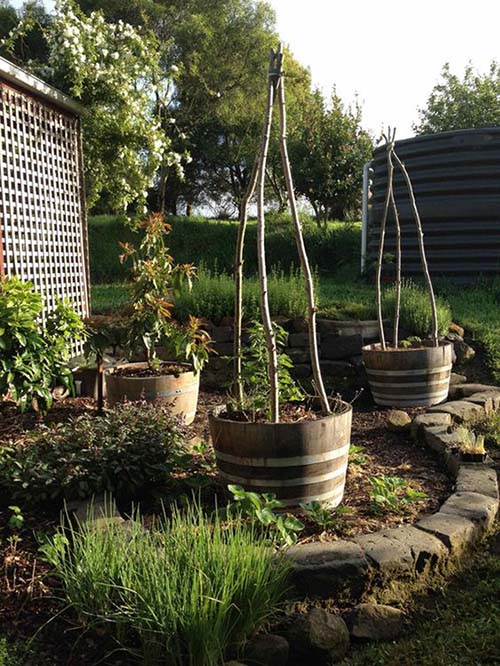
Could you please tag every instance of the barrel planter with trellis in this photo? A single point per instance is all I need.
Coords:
(298, 462)
(418, 377)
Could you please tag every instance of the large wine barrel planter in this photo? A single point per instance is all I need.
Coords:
(418, 377)
(298, 462)
(179, 392)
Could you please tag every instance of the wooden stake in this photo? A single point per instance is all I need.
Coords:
(383, 224)
(304, 261)
(421, 246)
(273, 78)
(238, 283)
(397, 309)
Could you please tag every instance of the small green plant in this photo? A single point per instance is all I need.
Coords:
(284, 528)
(34, 357)
(255, 374)
(156, 281)
(470, 442)
(489, 427)
(130, 450)
(324, 515)
(357, 455)
(392, 494)
(189, 590)
(16, 520)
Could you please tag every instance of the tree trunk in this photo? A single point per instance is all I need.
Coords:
(273, 78)
(421, 247)
(304, 261)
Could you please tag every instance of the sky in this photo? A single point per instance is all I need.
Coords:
(390, 52)
(387, 52)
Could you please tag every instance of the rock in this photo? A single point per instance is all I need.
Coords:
(94, 509)
(455, 328)
(455, 378)
(224, 348)
(301, 371)
(439, 439)
(489, 399)
(402, 551)
(398, 420)
(320, 637)
(335, 347)
(460, 410)
(267, 650)
(481, 509)
(456, 532)
(298, 355)
(326, 569)
(463, 351)
(298, 340)
(376, 622)
(477, 479)
(357, 361)
(223, 333)
(327, 326)
(429, 420)
(390, 557)
(299, 325)
(337, 369)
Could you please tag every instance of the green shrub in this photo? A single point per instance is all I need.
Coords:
(213, 243)
(34, 358)
(183, 592)
(130, 449)
(416, 314)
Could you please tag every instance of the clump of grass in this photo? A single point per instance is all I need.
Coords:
(184, 592)
(212, 296)
(416, 314)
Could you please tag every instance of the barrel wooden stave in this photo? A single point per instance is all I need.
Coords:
(409, 378)
(179, 393)
(298, 462)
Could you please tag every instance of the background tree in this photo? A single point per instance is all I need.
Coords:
(328, 148)
(462, 103)
(114, 70)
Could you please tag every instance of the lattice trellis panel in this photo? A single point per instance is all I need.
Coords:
(43, 230)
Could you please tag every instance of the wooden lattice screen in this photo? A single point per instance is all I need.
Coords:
(42, 218)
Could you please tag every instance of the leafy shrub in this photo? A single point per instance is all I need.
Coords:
(255, 375)
(34, 358)
(392, 494)
(130, 449)
(184, 592)
(416, 314)
(283, 529)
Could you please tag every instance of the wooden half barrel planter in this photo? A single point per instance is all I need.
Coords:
(298, 462)
(177, 392)
(415, 377)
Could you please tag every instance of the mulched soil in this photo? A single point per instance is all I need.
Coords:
(29, 595)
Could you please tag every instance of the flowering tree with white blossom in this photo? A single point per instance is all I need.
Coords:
(115, 71)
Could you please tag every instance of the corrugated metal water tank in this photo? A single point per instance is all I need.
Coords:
(456, 179)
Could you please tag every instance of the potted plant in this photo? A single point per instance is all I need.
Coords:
(471, 446)
(300, 455)
(412, 375)
(156, 280)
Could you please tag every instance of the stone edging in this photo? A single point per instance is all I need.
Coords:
(408, 552)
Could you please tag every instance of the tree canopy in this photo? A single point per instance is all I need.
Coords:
(462, 103)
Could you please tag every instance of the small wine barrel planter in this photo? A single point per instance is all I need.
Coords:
(179, 392)
(409, 377)
(298, 462)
